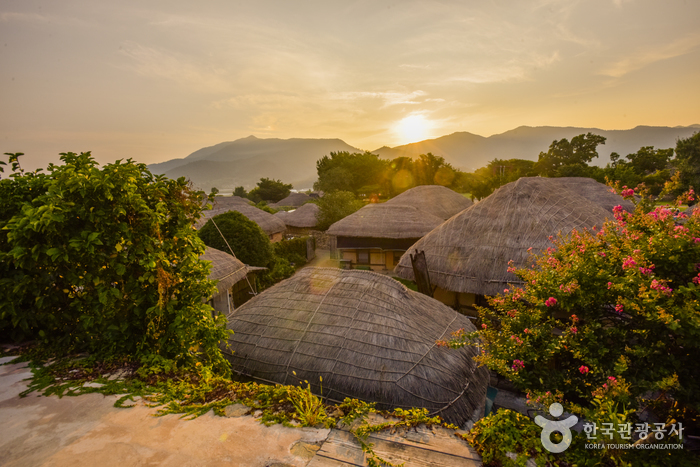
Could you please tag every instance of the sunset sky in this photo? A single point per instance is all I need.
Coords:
(156, 80)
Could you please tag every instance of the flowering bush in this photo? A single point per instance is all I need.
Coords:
(620, 301)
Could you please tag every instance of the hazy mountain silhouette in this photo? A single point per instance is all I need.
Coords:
(245, 161)
(469, 152)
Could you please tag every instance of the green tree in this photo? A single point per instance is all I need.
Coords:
(344, 171)
(240, 191)
(335, 206)
(578, 153)
(688, 161)
(248, 241)
(269, 190)
(648, 160)
(106, 261)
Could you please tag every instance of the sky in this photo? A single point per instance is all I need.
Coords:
(157, 80)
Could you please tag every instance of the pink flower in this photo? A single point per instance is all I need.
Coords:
(551, 301)
(526, 331)
(627, 193)
(602, 253)
(609, 285)
(483, 326)
(619, 308)
(612, 379)
(518, 365)
(583, 369)
(629, 262)
(574, 330)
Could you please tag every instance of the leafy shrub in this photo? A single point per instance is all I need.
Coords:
(248, 241)
(105, 261)
(621, 302)
(293, 250)
(335, 206)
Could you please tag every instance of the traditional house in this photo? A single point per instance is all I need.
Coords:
(467, 256)
(597, 192)
(301, 220)
(293, 200)
(366, 335)
(271, 225)
(433, 199)
(377, 235)
(233, 287)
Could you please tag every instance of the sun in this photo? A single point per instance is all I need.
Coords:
(413, 128)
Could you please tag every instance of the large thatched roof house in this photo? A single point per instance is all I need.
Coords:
(597, 192)
(377, 235)
(232, 288)
(467, 256)
(271, 225)
(301, 220)
(294, 200)
(366, 335)
(434, 199)
(226, 201)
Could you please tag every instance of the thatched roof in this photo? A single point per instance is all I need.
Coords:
(226, 201)
(225, 268)
(386, 221)
(303, 217)
(294, 199)
(597, 192)
(434, 199)
(269, 223)
(366, 335)
(470, 252)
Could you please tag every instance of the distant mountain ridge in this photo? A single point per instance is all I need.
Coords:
(244, 161)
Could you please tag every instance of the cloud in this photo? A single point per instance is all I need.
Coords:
(648, 56)
(160, 64)
(390, 98)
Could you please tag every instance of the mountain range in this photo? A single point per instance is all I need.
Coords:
(244, 161)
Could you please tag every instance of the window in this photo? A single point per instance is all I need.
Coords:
(362, 256)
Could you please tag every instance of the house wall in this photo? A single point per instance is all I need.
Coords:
(462, 302)
(276, 237)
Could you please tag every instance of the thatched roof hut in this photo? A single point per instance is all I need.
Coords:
(226, 201)
(366, 335)
(469, 253)
(597, 192)
(303, 217)
(386, 221)
(433, 199)
(294, 199)
(225, 268)
(270, 224)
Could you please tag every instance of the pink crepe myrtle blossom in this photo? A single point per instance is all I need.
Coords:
(628, 263)
(574, 330)
(518, 365)
(627, 192)
(583, 369)
(551, 301)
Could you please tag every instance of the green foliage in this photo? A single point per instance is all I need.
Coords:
(688, 161)
(575, 154)
(240, 191)
(343, 171)
(497, 173)
(293, 250)
(334, 206)
(249, 243)
(622, 302)
(105, 261)
(269, 190)
(506, 432)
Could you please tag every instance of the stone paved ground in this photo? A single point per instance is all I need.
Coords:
(89, 431)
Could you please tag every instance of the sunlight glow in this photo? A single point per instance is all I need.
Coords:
(413, 128)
